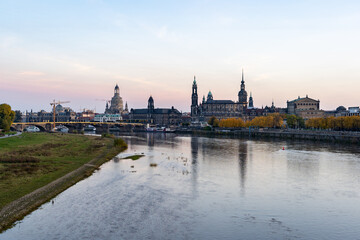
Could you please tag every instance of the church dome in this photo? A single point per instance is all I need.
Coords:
(341, 109)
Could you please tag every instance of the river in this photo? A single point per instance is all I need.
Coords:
(209, 188)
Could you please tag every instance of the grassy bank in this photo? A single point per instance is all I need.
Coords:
(35, 167)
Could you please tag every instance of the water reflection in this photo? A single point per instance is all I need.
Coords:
(194, 164)
(243, 154)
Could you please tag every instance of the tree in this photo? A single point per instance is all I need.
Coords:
(7, 117)
(294, 121)
(213, 121)
(291, 121)
(18, 116)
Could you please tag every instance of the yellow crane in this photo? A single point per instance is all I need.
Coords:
(54, 103)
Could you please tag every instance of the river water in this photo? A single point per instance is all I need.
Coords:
(209, 188)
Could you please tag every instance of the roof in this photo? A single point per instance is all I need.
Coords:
(299, 99)
(219, 102)
(156, 111)
(140, 111)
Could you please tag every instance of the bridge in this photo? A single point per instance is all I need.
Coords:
(79, 126)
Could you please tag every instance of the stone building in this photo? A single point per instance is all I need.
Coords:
(305, 107)
(158, 116)
(116, 103)
(219, 108)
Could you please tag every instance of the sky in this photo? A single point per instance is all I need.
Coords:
(78, 50)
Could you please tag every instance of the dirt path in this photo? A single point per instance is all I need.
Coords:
(7, 136)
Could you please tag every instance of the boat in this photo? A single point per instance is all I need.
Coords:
(32, 129)
(90, 128)
(61, 128)
(158, 129)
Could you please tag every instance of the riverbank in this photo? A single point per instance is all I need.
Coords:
(313, 135)
(35, 167)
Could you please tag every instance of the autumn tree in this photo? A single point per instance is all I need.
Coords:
(6, 117)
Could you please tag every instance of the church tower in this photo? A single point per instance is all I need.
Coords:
(151, 104)
(251, 101)
(194, 99)
(242, 93)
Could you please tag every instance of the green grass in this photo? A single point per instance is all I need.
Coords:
(134, 157)
(32, 160)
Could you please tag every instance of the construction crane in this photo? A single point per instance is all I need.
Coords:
(54, 103)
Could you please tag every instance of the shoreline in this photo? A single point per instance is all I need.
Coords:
(306, 135)
(19, 208)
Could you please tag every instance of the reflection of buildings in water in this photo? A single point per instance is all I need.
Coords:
(243, 155)
(150, 140)
(194, 163)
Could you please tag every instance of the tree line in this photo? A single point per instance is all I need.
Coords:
(276, 120)
(348, 123)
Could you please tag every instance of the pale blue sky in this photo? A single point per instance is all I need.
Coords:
(78, 51)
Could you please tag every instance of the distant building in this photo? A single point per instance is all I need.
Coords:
(305, 107)
(116, 103)
(107, 118)
(86, 116)
(158, 116)
(62, 114)
(353, 111)
(219, 108)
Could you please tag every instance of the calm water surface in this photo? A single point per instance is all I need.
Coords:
(209, 188)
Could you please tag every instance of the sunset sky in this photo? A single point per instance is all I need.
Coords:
(78, 50)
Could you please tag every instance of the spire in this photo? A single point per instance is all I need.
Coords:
(242, 76)
(194, 80)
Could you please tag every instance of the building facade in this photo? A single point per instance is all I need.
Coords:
(158, 116)
(305, 107)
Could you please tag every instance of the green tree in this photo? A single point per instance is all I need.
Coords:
(18, 116)
(291, 121)
(7, 117)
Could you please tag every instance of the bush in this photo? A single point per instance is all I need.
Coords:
(120, 143)
(107, 135)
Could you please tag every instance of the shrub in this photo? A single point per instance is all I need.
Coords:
(120, 143)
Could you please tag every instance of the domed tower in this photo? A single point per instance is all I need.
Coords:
(116, 103)
(242, 93)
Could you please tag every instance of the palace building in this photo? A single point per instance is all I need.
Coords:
(219, 108)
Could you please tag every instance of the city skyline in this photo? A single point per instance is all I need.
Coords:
(78, 51)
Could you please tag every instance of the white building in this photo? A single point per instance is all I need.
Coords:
(107, 118)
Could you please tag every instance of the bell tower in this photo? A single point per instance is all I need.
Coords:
(194, 98)
(242, 93)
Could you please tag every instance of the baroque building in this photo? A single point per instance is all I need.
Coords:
(158, 116)
(218, 108)
(116, 103)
